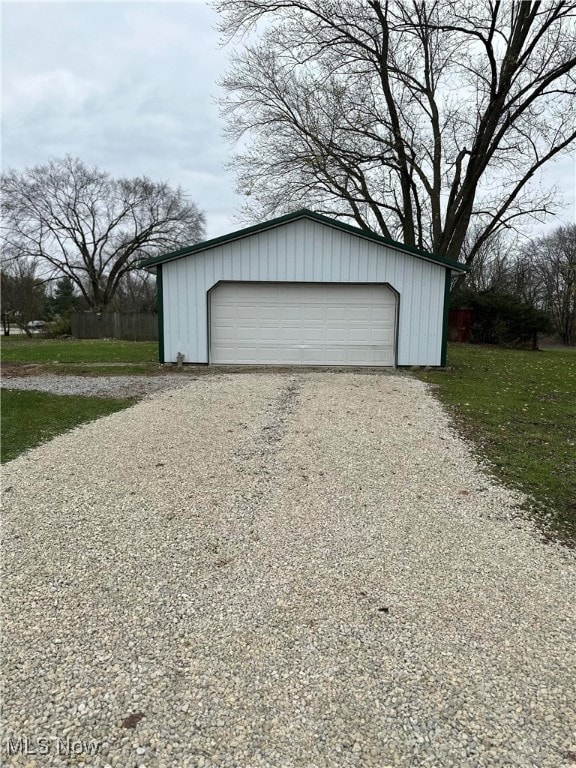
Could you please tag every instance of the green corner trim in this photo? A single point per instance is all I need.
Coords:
(160, 308)
(304, 213)
(447, 286)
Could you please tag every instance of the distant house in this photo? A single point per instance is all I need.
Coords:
(303, 289)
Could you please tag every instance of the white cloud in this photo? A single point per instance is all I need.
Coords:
(130, 86)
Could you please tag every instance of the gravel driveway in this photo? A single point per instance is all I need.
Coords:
(270, 570)
(97, 386)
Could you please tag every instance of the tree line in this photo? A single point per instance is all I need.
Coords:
(78, 228)
(519, 289)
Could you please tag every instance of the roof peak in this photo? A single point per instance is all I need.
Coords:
(294, 216)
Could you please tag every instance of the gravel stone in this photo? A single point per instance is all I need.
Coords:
(98, 386)
(216, 558)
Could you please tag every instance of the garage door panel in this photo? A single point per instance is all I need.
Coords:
(360, 314)
(288, 312)
(302, 323)
(315, 313)
(223, 312)
(359, 336)
(313, 335)
(383, 314)
(246, 332)
(269, 312)
(337, 335)
(270, 333)
(267, 354)
(336, 313)
(382, 336)
(337, 355)
(246, 312)
(382, 357)
(292, 334)
(226, 333)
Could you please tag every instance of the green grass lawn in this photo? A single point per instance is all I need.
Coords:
(31, 418)
(519, 408)
(21, 349)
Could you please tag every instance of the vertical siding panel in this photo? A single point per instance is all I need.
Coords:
(342, 245)
(297, 253)
(249, 259)
(304, 265)
(275, 266)
(408, 311)
(292, 246)
(248, 256)
(344, 266)
(353, 253)
(416, 331)
(199, 332)
(336, 258)
(371, 265)
(360, 255)
(432, 318)
(254, 264)
(168, 312)
(189, 335)
(324, 250)
(180, 308)
(238, 256)
(425, 320)
(269, 255)
(428, 288)
(416, 310)
(319, 243)
(423, 328)
(268, 252)
(302, 255)
(288, 249)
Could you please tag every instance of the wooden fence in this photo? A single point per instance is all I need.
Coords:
(115, 325)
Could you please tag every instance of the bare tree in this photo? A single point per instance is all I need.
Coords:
(415, 119)
(23, 294)
(550, 262)
(492, 266)
(137, 292)
(92, 228)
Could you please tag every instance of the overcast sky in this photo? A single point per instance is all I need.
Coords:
(130, 87)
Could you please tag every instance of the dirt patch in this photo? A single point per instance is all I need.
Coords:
(21, 369)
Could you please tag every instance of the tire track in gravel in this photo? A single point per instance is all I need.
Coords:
(254, 459)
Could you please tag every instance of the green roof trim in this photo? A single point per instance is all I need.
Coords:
(160, 308)
(304, 213)
(445, 318)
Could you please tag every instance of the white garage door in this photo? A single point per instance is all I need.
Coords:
(302, 324)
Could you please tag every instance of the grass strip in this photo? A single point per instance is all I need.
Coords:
(30, 418)
(519, 409)
(21, 349)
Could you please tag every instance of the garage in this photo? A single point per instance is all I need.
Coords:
(303, 289)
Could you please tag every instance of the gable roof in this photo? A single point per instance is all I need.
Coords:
(304, 213)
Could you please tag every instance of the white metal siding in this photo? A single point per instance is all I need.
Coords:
(304, 251)
(302, 324)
